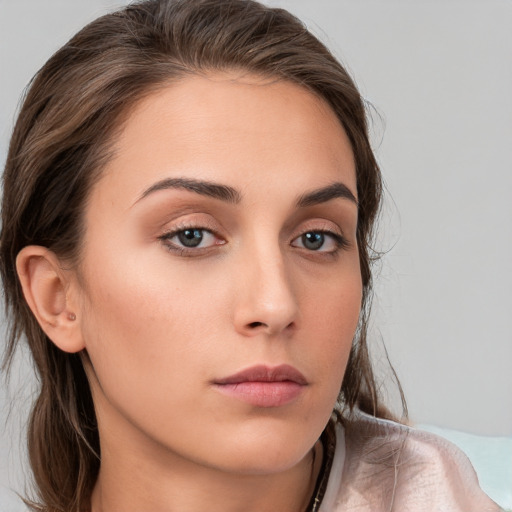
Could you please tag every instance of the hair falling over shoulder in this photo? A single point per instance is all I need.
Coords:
(60, 143)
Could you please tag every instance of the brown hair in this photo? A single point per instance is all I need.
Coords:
(61, 142)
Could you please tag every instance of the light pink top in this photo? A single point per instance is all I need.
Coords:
(381, 466)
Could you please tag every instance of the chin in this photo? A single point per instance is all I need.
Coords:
(264, 449)
(265, 461)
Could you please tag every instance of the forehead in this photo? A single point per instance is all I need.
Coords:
(240, 130)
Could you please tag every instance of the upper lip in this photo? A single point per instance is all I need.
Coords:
(263, 373)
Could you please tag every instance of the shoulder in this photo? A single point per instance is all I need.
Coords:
(392, 467)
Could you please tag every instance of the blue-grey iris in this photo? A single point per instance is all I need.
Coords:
(190, 237)
(313, 240)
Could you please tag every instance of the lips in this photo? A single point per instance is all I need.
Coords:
(264, 386)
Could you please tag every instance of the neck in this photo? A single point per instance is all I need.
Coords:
(129, 483)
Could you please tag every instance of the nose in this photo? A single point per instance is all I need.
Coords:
(266, 302)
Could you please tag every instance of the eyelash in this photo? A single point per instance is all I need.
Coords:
(341, 243)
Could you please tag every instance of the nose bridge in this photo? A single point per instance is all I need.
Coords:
(268, 302)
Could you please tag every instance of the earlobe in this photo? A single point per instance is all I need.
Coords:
(46, 289)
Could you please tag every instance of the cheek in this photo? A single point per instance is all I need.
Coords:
(337, 316)
(152, 327)
(137, 329)
(148, 343)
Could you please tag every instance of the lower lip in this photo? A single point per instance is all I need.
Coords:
(263, 394)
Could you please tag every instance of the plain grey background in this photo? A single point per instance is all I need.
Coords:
(439, 74)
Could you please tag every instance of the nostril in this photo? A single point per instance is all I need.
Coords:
(253, 325)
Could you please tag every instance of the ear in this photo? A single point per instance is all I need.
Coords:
(46, 287)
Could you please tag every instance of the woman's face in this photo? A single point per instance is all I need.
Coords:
(221, 238)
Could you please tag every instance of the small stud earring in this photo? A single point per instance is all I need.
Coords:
(72, 316)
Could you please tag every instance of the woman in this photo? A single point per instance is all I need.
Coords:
(189, 199)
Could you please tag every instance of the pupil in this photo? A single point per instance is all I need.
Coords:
(190, 237)
(313, 240)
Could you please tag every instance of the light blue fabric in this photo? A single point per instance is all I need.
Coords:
(491, 457)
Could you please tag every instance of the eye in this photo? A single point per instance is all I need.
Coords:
(186, 239)
(321, 241)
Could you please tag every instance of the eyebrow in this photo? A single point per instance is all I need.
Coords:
(204, 188)
(324, 194)
(231, 195)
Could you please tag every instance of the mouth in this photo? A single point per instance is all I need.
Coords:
(264, 386)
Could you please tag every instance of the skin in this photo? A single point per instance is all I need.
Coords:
(161, 324)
